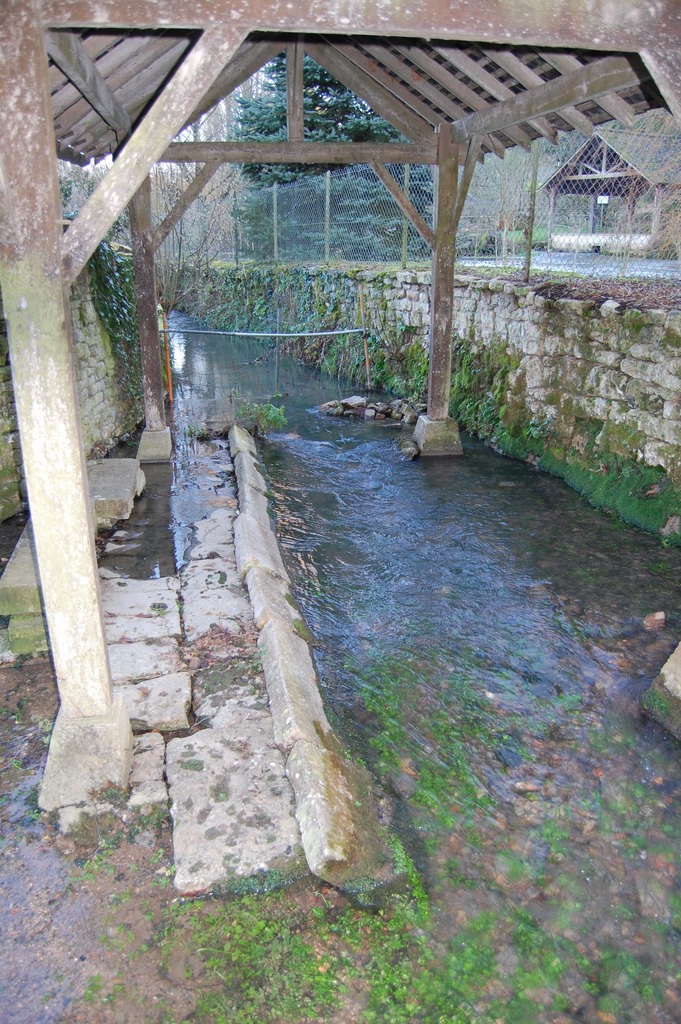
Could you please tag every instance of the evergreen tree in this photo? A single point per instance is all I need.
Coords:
(332, 114)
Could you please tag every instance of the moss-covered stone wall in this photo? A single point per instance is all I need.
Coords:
(590, 392)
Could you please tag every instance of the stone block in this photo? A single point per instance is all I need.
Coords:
(100, 745)
(214, 536)
(248, 475)
(144, 659)
(271, 599)
(114, 484)
(295, 701)
(662, 700)
(27, 634)
(437, 437)
(140, 609)
(19, 589)
(147, 772)
(155, 446)
(241, 441)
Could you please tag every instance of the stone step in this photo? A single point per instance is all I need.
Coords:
(114, 484)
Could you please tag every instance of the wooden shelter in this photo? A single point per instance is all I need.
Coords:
(85, 79)
(623, 163)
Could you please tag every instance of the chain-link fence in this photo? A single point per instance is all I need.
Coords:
(608, 206)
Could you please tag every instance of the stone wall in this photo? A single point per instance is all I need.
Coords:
(105, 414)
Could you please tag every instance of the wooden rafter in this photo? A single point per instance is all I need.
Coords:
(613, 104)
(250, 58)
(66, 50)
(380, 99)
(528, 78)
(587, 83)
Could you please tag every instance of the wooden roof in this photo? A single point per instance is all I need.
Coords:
(103, 81)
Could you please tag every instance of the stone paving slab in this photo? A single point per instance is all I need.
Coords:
(159, 703)
(141, 609)
(144, 659)
(147, 775)
(232, 806)
(212, 597)
(215, 536)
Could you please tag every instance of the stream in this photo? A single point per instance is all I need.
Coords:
(480, 643)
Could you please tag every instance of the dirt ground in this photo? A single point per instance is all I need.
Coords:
(84, 918)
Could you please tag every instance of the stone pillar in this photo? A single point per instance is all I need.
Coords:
(91, 742)
(436, 433)
(155, 444)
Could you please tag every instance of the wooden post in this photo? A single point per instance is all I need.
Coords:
(155, 444)
(436, 433)
(442, 292)
(91, 741)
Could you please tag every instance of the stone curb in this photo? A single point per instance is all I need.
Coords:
(324, 795)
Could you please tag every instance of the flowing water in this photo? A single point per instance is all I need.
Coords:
(480, 645)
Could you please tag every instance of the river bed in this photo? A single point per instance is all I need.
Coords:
(480, 642)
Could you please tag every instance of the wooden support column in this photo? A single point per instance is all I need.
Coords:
(436, 433)
(91, 741)
(442, 293)
(155, 443)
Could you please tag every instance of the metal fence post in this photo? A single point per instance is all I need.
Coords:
(327, 218)
(405, 223)
(275, 226)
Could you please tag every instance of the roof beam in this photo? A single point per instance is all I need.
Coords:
(404, 203)
(380, 99)
(145, 146)
(375, 61)
(588, 83)
(599, 25)
(302, 152)
(68, 53)
(665, 67)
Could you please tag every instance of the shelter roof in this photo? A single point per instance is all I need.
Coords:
(104, 80)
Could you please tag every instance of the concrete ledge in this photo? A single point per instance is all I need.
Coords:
(255, 547)
(271, 599)
(101, 746)
(340, 845)
(241, 441)
(248, 472)
(437, 437)
(155, 446)
(295, 702)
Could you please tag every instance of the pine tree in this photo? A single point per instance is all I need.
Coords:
(332, 114)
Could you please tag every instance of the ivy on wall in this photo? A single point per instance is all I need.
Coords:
(113, 294)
